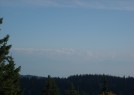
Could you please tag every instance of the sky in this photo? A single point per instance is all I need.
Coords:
(66, 37)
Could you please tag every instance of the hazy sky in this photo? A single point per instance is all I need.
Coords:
(66, 37)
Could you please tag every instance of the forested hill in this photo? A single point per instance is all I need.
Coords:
(85, 84)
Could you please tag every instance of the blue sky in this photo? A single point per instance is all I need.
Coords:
(66, 37)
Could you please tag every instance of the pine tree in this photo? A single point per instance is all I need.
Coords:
(105, 90)
(72, 91)
(9, 74)
(50, 88)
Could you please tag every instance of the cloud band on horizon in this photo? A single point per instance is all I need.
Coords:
(77, 54)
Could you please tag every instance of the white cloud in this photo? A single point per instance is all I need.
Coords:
(76, 54)
(61, 51)
(95, 4)
(69, 61)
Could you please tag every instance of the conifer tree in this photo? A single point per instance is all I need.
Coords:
(50, 88)
(72, 91)
(9, 74)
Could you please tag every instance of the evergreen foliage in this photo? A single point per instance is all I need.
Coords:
(105, 85)
(86, 84)
(9, 74)
(50, 88)
(72, 90)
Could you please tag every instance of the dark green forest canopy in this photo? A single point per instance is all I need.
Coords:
(85, 84)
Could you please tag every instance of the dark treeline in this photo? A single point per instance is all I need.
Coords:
(84, 84)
